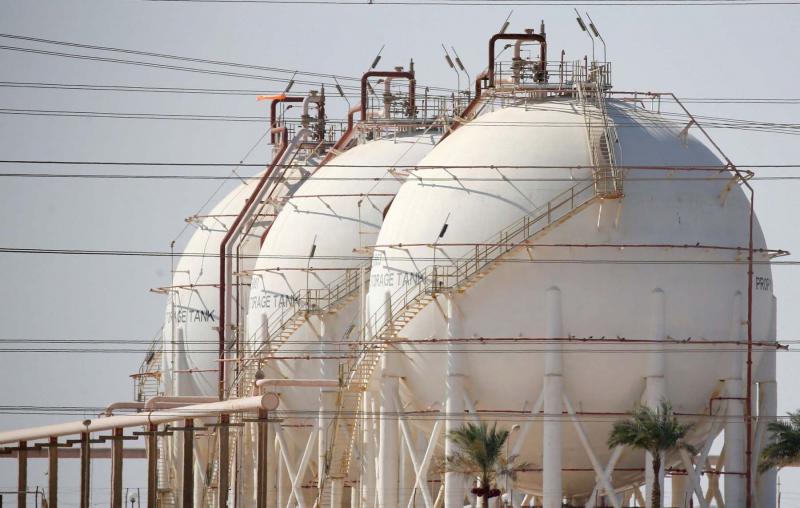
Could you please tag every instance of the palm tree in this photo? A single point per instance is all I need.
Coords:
(655, 431)
(481, 452)
(784, 447)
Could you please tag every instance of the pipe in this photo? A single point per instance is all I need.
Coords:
(224, 255)
(170, 402)
(309, 383)
(109, 410)
(409, 75)
(458, 121)
(273, 113)
(516, 37)
(245, 404)
(251, 204)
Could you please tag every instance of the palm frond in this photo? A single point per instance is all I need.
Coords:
(653, 430)
(784, 446)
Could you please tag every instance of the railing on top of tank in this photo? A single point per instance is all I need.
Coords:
(429, 108)
(439, 278)
(557, 77)
(333, 129)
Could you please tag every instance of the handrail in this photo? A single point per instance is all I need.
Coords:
(434, 279)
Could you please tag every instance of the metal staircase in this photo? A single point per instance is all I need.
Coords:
(147, 381)
(602, 135)
(408, 300)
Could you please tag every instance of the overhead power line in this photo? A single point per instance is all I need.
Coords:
(593, 3)
(141, 63)
(779, 101)
(111, 176)
(365, 258)
(706, 168)
(152, 89)
(325, 79)
(711, 123)
(176, 57)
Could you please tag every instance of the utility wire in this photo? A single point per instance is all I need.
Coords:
(593, 3)
(253, 92)
(176, 57)
(421, 180)
(131, 253)
(715, 168)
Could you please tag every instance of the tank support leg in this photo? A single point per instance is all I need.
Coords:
(587, 447)
(296, 475)
(368, 452)
(612, 463)
(679, 491)
(766, 483)
(388, 479)
(420, 464)
(327, 401)
(454, 405)
(281, 475)
(734, 463)
(655, 387)
(553, 391)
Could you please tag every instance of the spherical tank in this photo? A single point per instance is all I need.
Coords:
(665, 262)
(190, 334)
(320, 241)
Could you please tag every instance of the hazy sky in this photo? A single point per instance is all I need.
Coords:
(696, 51)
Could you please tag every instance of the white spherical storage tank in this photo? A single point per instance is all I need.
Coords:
(192, 314)
(190, 363)
(610, 303)
(319, 244)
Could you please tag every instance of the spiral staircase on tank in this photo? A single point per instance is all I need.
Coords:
(407, 301)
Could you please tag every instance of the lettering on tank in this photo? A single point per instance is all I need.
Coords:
(763, 283)
(272, 301)
(181, 314)
(394, 278)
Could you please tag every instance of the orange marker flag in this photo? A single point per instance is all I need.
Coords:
(271, 97)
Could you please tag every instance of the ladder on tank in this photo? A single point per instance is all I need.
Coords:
(602, 138)
(407, 301)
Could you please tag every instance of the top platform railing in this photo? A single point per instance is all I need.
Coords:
(556, 77)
